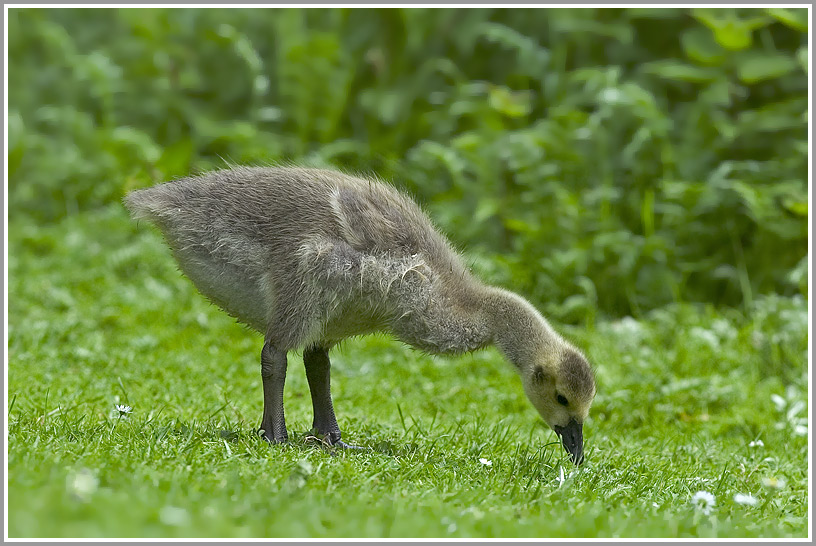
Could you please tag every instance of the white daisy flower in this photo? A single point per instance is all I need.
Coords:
(779, 402)
(486, 462)
(704, 501)
(123, 410)
(800, 430)
(773, 483)
(82, 483)
(747, 500)
(756, 443)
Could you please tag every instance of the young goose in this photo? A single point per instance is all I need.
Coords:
(309, 257)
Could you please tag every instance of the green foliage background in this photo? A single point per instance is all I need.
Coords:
(609, 160)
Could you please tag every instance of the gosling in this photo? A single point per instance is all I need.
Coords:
(309, 257)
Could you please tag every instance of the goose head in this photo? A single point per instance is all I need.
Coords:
(562, 388)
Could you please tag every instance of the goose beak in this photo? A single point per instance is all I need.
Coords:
(572, 436)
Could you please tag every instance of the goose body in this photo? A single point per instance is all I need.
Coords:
(309, 257)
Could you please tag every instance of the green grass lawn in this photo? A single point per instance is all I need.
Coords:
(689, 399)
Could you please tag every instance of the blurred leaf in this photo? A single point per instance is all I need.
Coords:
(718, 93)
(731, 31)
(796, 18)
(733, 36)
(758, 67)
(700, 45)
(671, 69)
(531, 56)
(624, 150)
(799, 208)
(509, 103)
(135, 144)
(16, 142)
(175, 159)
(773, 117)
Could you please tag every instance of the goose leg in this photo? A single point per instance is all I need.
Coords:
(273, 374)
(318, 374)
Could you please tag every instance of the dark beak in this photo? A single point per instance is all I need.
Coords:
(572, 436)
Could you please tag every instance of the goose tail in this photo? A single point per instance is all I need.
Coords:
(151, 203)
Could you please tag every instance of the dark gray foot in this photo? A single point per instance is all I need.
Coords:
(318, 374)
(265, 432)
(273, 375)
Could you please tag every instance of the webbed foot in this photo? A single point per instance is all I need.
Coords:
(266, 433)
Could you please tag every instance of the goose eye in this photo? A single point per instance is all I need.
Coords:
(562, 400)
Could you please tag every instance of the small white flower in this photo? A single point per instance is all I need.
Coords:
(723, 329)
(82, 483)
(486, 462)
(756, 443)
(774, 483)
(791, 406)
(473, 512)
(794, 409)
(706, 336)
(757, 338)
(172, 515)
(627, 326)
(449, 524)
(800, 430)
(747, 500)
(123, 410)
(779, 402)
(704, 501)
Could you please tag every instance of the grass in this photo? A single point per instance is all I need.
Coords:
(98, 316)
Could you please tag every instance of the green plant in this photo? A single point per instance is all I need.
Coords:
(613, 160)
